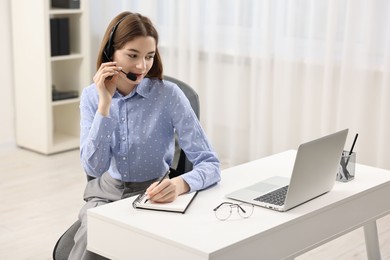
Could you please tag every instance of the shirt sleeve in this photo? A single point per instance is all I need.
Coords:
(193, 140)
(95, 136)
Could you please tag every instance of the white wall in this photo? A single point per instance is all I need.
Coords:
(7, 114)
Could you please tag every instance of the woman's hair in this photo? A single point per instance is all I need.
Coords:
(128, 27)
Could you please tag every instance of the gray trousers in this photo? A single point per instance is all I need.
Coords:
(98, 192)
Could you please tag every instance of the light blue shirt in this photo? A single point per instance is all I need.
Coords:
(135, 143)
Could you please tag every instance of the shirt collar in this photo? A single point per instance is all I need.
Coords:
(142, 89)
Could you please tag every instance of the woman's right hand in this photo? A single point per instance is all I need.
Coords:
(105, 81)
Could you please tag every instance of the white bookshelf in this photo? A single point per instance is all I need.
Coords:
(43, 125)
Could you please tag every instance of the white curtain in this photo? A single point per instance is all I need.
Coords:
(272, 74)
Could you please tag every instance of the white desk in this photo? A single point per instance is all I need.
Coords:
(116, 230)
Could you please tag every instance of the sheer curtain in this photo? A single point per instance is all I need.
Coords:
(274, 73)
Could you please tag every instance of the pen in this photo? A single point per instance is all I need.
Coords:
(163, 177)
(143, 195)
(353, 144)
(350, 151)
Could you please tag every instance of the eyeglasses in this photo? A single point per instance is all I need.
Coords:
(224, 210)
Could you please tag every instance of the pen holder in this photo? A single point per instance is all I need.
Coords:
(346, 170)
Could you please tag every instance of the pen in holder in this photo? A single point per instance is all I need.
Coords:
(346, 170)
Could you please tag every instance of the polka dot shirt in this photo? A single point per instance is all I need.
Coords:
(135, 142)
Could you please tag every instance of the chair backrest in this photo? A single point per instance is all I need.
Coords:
(189, 92)
(181, 163)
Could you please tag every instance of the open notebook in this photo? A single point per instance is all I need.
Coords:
(179, 205)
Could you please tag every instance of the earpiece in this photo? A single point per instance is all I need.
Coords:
(109, 49)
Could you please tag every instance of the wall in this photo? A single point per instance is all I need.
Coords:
(7, 115)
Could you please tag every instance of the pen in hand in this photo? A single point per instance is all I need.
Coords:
(145, 194)
(162, 178)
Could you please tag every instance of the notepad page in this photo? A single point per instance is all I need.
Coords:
(179, 204)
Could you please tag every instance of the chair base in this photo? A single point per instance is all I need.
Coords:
(65, 243)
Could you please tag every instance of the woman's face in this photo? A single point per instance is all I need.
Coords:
(136, 57)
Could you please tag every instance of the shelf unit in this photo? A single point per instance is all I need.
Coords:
(43, 125)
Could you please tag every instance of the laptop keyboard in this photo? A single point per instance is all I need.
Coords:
(276, 197)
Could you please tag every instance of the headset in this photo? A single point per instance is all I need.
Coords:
(109, 49)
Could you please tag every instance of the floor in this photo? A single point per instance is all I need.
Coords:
(41, 196)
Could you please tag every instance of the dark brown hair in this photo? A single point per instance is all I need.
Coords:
(131, 26)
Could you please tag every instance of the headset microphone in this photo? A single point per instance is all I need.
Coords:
(130, 76)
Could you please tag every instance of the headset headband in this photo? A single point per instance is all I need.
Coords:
(108, 50)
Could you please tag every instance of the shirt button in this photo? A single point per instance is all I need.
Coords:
(123, 158)
(123, 138)
(108, 136)
(123, 119)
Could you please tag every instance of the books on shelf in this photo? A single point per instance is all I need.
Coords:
(59, 36)
(61, 95)
(71, 4)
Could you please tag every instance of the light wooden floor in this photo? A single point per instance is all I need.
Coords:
(41, 196)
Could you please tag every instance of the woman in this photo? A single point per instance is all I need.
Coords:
(128, 119)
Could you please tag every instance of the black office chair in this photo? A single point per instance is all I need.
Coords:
(180, 165)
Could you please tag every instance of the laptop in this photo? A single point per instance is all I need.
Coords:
(314, 174)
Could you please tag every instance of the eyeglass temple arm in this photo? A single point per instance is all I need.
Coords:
(223, 203)
(231, 204)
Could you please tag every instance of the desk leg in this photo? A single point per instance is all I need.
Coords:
(372, 242)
